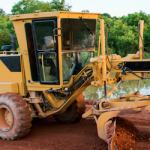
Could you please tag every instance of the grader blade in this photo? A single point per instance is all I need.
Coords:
(116, 130)
(106, 125)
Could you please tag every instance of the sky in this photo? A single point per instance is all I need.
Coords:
(113, 7)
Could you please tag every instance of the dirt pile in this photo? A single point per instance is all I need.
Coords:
(132, 132)
(126, 134)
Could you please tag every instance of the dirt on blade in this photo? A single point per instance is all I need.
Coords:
(125, 135)
(133, 133)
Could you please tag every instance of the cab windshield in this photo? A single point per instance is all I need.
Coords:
(78, 34)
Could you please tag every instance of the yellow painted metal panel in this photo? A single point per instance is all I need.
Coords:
(7, 76)
(8, 87)
(13, 77)
(131, 76)
(21, 37)
(77, 15)
(34, 16)
(60, 51)
(54, 14)
(141, 46)
(103, 48)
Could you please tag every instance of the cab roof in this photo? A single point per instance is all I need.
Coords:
(56, 14)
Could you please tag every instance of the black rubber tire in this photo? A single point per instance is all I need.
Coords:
(73, 113)
(21, 116)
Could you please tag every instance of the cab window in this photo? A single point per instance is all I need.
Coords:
(43, 30)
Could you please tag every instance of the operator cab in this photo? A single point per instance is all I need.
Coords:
(77, 42)
(60, 44)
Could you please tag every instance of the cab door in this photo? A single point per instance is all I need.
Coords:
(46, 50)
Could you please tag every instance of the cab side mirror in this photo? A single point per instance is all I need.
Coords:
(49, 42)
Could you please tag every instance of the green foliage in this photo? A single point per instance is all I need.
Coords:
(4, 31)
(5, 38)
(133, 19)
(122, 38)
(30, 6)
(106, 15)
(2, 12)
(127, 44)
(147, 41)
(85, 11)
(35, 6)
(123, 34)
(59, 5)
(147, 55)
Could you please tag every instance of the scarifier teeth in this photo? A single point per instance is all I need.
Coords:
(107, 124)
(110, 127)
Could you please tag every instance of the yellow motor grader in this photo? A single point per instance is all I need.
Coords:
(55, 65)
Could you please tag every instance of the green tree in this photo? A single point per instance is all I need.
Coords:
(85, 11)
(2, 12)
(30, 6)
(127, 43)
(106, 15)
(59, 5)
(133, 19)
(122, 39)
(4, 31)
(147, 41)
(5, 37)
(34, 6)
(107, 20)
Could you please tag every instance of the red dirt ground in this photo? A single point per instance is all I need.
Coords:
(47, 134)
(142, 124)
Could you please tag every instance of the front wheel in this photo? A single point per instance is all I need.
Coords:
(74, 112)
(15, 116)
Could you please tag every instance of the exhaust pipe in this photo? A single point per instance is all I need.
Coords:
(13, 43)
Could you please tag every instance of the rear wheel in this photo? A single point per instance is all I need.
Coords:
(15, 116)
(74, 112)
